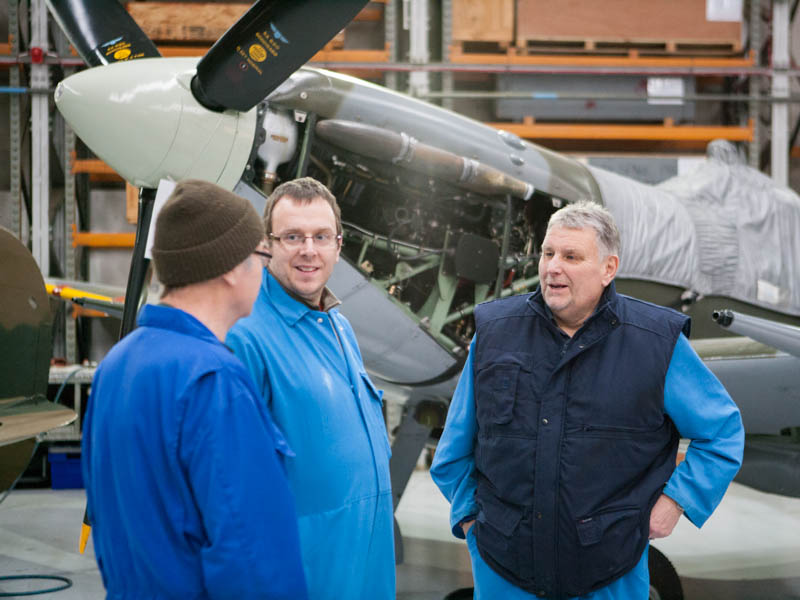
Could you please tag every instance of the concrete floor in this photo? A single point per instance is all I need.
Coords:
(750, 548)
(39, 532)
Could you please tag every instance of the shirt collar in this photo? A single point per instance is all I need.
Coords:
(288, 306)
(607, 299)
(164, 316)
(329, 300)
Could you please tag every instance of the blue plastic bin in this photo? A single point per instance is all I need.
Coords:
(65, 468)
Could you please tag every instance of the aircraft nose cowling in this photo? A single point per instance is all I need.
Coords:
(140, 117)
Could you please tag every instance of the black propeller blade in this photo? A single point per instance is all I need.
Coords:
(101, 31)
(266, 45)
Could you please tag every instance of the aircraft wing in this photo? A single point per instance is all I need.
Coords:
(22, 418)
(109, 300)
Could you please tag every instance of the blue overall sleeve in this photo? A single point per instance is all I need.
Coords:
(251, 547)
(704, 412)
(453, 468)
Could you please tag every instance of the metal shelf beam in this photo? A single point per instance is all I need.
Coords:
(40, 143)
(593, 131)
(781, 61)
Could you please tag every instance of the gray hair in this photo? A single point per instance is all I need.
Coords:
(585, 214)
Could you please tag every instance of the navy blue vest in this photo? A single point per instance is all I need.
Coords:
(573, 446)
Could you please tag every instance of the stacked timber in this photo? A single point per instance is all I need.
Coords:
(481, 26)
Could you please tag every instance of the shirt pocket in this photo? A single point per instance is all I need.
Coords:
(375, 411)
(499, 386)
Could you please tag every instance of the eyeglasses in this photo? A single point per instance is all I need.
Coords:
(265, 256)
(324, 239)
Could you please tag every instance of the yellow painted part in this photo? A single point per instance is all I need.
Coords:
(68, 293)
(591, 131)
(86, 530)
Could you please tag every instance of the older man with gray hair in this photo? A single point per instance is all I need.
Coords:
(561, 440)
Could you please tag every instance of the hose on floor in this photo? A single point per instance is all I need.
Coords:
(67, 583)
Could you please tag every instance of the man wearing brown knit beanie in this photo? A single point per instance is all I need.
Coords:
(183, 465)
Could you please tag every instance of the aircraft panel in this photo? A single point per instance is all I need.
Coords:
(770, 401)
(392, 343)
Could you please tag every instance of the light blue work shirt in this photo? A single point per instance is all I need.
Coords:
(178, 505)
(696, 402)
(308, 367)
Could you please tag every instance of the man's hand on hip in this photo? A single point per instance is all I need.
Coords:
(466, 525)
(664, 517)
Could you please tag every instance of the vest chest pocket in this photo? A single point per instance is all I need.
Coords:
(504, 391)
(500, 381)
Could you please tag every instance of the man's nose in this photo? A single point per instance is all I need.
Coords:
(553, 265)
(308, 246)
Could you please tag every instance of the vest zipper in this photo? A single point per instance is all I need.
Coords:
(618, 428)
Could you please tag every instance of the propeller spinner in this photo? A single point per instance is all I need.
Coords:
(178, 118)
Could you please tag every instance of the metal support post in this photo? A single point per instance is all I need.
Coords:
(754, 148)
(447, 38)
(390, 39)
(419, 51)
(70, 216)
(780, 89)
(64, 142)
(15, 132)
(40, 141)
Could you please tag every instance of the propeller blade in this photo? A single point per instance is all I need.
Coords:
(101, 31)
(266, 45)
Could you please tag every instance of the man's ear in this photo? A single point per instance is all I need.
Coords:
(231, 278)
(610, 267)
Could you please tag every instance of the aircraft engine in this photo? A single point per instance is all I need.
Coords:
(437, 231)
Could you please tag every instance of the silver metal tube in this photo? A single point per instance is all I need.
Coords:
(778, 335)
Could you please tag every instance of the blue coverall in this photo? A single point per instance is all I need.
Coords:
(308, 367)
(696, 402)
(186, 490)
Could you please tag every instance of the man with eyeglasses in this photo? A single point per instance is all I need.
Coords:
(179, 507)
(304, 358)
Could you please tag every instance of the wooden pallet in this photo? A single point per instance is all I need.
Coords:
(632, 59)
(471, 48)
(620, 47)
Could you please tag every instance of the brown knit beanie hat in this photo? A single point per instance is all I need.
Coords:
(203, 231)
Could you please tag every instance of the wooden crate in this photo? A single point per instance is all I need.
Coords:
(205, 22)
(657, 26)
(185, 21)
(483, 21)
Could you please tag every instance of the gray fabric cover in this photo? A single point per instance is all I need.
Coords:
(725, 230)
